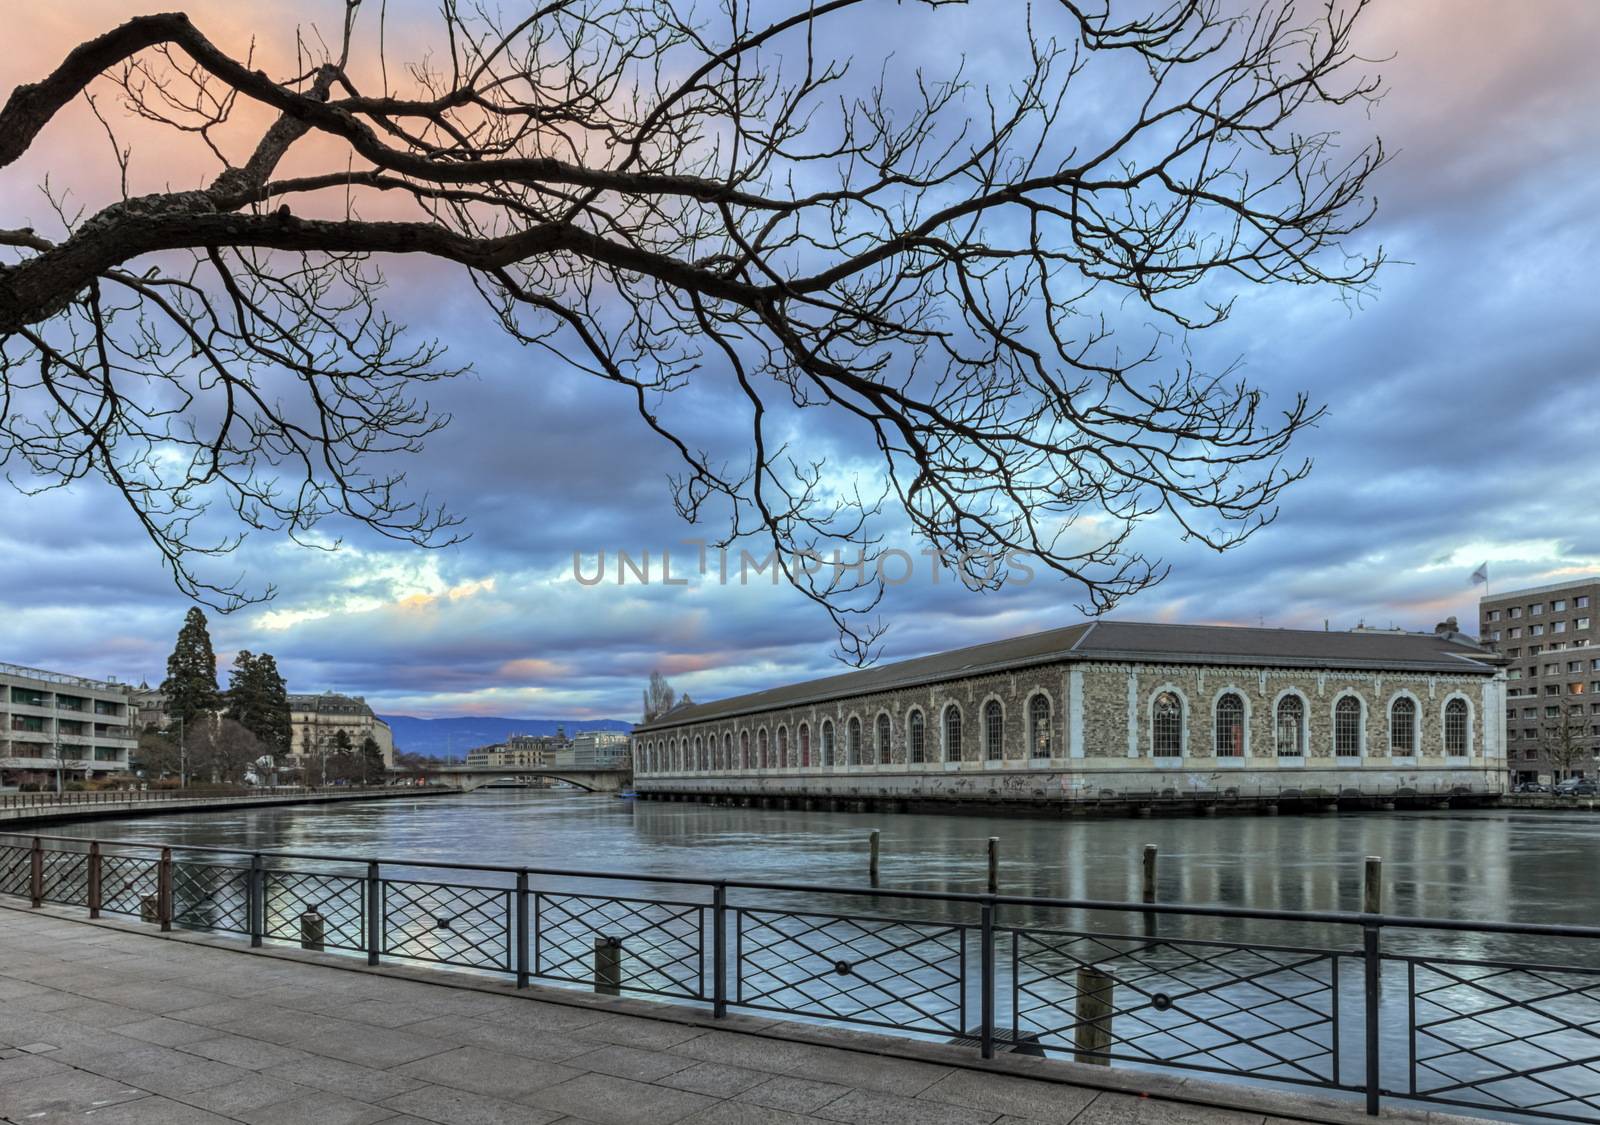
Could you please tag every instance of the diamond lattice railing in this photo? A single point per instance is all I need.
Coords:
(1514, 1037)
(15, 870)
(125, 882)
(340, 899)
(877, 971)
(448, 924)
(211, 897)
(662, 942)
(1261, 1011)
(66, 878)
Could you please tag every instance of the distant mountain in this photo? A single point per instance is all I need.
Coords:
(439, 737)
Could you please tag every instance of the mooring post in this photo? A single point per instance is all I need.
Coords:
(1372, 886)
(164, 890)
(608, 965)
(36, 874)
(872, 859)
(313, 931)
(1147, 892)
(92, 892)
(994, 865)
(1091, 1035)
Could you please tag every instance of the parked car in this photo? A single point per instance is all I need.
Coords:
(1531, 787)
(1577, 787)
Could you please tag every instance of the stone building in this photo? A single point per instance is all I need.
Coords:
(316, 720)
(1109, 709)
(1548, 637)
(51, 723)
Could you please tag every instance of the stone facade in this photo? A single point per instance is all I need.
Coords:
(1073, 729)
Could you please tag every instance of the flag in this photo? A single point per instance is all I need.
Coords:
(1480, 577)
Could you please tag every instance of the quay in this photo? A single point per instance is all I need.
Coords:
(17, 809)
(114, 1024)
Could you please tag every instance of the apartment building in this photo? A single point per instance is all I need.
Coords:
(52, 722)
(1548, 638)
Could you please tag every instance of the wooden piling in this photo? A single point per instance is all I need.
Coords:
(1372, 886)
(1150, 852)
(1091, 1036)
(994, 865)
(872, 859)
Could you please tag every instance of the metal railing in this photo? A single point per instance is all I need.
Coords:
(1365, 1004)
(28, 800)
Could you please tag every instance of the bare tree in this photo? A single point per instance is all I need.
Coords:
(659, 697)
(1565, 741)
(669, 196)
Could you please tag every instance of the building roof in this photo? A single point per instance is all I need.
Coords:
(1552, 588)
(1123, 642)
(330, 703)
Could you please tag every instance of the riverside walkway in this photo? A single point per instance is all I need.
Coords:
(115, 1024)
(20, 809)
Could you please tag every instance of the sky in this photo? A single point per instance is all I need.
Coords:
(1460, 401)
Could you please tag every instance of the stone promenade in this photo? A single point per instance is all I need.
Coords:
(100, 1024)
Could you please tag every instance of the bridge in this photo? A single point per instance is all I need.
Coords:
(596, 779)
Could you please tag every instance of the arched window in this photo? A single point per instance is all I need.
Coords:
(1455, 728)
(916, 738)
(699, 753)
(994, 731)
(1291, 727)
(783, 748)
(1230, 726)
(883, 740)
(1166, 731)
(805, 745)
(1039, 725)
(727, 751)
(853, 741)
(827, 742)
(761, 748)
(1403, 727)
(1347, 727)
(952, 733)
(744, 749)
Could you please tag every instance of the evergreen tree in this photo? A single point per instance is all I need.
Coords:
(191, 683)
(372, 760)
(259, 701)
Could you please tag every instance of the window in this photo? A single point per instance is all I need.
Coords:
(1558, 626)
(1536, 609)
(805, 745)
(1514, 612)
(699, 753)
(852, 742)
(1494, 615)
(1558, 606)
(783, 748)
(1347, 727)
(1403, 726)
(744, 750)
(1230, 726)
(1166, 731)
(1039, 725)
(1513, 634)
(761, 748)
(883, 740)
(1536, 630)
(727, 751)
(1581, 623)
(1455, 728)
(952, 733)
(916, 737)
(994, 731)
(827, 742)
(1581, 602)
(1290, 726)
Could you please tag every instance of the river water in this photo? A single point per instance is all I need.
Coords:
(1229, 974)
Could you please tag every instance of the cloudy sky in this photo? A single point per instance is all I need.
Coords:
(1461, 418)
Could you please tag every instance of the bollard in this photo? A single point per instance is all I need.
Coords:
(608, 965)
(1372, 886)
(1091, 1035)
(92, 892)
(313, 929)
(872, 860)
(994, 865)
(1150, 852)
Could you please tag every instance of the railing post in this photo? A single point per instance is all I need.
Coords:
(36, 874)
(522, 929)
(1373, 968)
(374, 913)
(258, 900)
(93, 892)
(987, 984)
(164, 890)
(719, 948)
